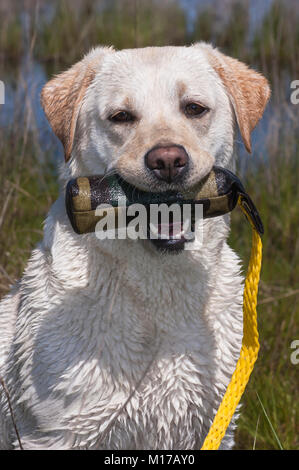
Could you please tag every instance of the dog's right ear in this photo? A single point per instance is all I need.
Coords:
(62, 96)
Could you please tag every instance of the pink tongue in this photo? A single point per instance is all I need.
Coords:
(170, 230)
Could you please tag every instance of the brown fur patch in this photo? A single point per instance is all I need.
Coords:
(181, 87)
(62, 97)
(248, 90)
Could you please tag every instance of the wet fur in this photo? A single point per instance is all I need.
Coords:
(111, 345)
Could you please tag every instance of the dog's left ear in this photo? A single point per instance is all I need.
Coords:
(248, 90)
(62, 96)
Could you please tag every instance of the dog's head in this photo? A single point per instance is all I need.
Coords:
(160, 117)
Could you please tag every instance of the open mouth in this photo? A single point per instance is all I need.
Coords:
(171, 236)
(171, 227)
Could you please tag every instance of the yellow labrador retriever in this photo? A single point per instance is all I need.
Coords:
(119, 344)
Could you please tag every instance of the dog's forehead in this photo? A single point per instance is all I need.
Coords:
(155, 72)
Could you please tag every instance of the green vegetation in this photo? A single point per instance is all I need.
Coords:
(28, 181)
(11, 46)
(28, 187)
(64, 32)
(121, 24)
(275, 45)
(274, 188)
(230, 35)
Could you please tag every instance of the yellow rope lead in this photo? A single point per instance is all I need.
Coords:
(249, 349)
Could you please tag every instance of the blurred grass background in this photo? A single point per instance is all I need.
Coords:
(39, 38)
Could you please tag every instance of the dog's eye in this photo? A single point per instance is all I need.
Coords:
(121, 116)
(195, 109)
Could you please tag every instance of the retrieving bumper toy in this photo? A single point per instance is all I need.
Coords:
(219, 193)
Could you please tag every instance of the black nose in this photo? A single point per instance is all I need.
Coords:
(167, 163)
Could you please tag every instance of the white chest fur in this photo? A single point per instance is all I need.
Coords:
(116, 352)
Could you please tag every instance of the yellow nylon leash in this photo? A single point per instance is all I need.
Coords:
(249, 349)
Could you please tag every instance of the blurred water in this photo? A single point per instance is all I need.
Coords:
(23, 85)
(22, 104)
